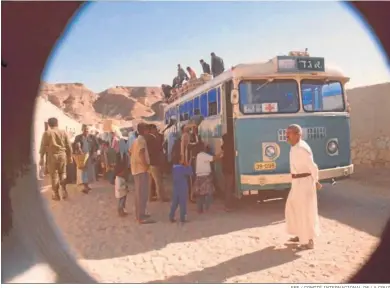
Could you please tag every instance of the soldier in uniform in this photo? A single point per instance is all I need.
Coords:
(56, 144)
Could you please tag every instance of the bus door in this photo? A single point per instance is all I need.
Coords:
(228, 114)
(228, 123)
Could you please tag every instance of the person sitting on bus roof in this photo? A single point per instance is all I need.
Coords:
(166, 89)
(205, 67)
(176, 82)
(217, 65)
(191, 73)
(181, 74)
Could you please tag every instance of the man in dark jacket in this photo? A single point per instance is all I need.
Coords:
(217, 65)
(205, 67)
(175, 82)
(181, 74)
(166, 89)
(154, 142)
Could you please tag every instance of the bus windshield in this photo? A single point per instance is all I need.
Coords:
(322, 96)
(262, 96)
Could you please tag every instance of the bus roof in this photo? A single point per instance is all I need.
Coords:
(252, 70)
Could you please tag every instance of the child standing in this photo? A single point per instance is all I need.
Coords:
(121, 187)
(203, 188)
(180, 191)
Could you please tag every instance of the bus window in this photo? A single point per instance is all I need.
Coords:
(219, 99)
(190, 108)
(203, 105)
(186, 111)
(213, 108)
(167, 117)
(175, 112)
(212, 102)
(181, 112)
(320, 96)
(171, 114)
(196, 106)
(260, 96)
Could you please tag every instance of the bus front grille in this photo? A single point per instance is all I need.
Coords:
(311, 133)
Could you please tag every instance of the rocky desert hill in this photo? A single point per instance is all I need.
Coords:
(121, 102)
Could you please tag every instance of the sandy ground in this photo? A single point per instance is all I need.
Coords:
(245, 246)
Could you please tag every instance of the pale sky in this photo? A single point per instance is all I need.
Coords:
(141, 43)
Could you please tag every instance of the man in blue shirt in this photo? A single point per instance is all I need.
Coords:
(180, 191)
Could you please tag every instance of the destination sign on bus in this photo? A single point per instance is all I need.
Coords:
(304, 64)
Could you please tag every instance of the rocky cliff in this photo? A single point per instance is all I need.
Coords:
(121, 102)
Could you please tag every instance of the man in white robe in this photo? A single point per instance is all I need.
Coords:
(301, 206)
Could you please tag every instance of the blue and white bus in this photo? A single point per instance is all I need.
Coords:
(255, 103)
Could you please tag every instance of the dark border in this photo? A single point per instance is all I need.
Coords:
(29, 32)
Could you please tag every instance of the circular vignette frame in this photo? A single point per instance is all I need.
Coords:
(29, 32)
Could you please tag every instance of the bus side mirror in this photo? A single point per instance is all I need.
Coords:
(234, 97)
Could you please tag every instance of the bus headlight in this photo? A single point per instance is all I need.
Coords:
(270, 151)
(332, 147)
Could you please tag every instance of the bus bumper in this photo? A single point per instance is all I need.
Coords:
(274, 179)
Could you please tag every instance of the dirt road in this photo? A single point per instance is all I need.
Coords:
(244, 246)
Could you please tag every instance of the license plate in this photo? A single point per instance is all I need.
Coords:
(260, 166)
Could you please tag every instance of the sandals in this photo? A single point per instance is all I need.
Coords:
(294, 239)
(64, 194)
(307, 246)
(146, 221)
(122, 213)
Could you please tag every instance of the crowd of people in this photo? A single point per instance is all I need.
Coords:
(217, 68)
(144, 157)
